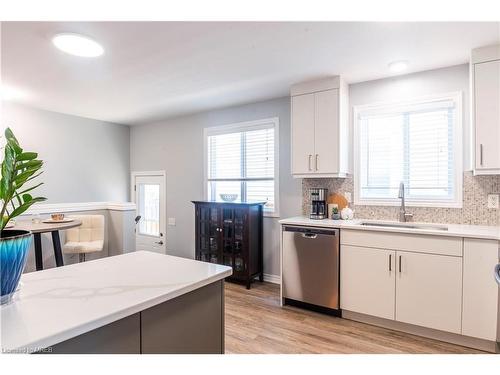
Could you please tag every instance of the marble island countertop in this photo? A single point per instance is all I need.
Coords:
(57, 304)
(453, 230)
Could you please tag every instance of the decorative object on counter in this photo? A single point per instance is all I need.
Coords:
(333, 209)
(347, 213)
(337, 199)
(18, 167)
(231, 234)
(318, 203)
(228, 197)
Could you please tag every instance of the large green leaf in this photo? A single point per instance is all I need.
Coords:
(17, 168)
(27, 156)
(28, 164)
(12, 141)
(22, 208)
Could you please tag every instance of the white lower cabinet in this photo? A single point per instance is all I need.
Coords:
(368, 281)
(481, 293)
(429, 290)
(408, 278)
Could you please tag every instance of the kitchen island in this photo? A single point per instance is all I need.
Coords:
(140, 302)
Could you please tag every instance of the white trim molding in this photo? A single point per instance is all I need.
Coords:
(47, 208)
(274, 279)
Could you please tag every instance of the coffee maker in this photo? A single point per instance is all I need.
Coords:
(318, 203)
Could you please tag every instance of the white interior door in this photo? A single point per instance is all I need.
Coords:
(149, 194)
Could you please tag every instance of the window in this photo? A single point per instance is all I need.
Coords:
(242, 159)
(418, 143)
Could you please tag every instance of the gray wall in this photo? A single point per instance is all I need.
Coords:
(176, 146)
(85, 160)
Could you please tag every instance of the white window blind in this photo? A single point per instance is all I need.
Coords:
(417, 143)
(241, 160)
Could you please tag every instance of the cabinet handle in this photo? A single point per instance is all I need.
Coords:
(400, 264)
(317, 162)
(481, 154)
(390, 262)
(310, 168)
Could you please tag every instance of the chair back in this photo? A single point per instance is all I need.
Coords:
(92, 229)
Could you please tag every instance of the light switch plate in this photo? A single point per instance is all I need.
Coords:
(171, 221)
(493, 200)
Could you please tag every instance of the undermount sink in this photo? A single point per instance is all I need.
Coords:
(406, 225)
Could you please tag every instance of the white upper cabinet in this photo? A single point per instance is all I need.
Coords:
(319, 128)
(485, 78)
(303, 137)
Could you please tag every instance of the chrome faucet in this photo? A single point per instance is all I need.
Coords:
(403, 215)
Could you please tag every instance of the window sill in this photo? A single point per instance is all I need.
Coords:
(397, 203)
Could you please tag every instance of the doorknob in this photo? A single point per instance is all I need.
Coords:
(159, 242)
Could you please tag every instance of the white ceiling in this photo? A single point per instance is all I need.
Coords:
(154, 70)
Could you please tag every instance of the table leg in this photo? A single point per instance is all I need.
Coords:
(56, 242)
(38, 251)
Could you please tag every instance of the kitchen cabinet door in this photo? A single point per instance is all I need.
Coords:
(303, 134)
(367, 280)
(429, 290)
(487, 115)
(481, 292)
(326, 132)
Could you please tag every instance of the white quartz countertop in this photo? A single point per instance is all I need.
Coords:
(57, 304)
(454, 230)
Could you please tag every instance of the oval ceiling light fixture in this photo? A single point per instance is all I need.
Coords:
(77, 45)
(398, 66)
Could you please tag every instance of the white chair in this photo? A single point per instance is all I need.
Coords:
(87, 238)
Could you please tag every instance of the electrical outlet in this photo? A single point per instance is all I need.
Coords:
(493, 200)
(171, 221)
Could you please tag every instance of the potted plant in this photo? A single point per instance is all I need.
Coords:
(18, 168)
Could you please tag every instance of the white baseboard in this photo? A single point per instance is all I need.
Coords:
(275, 279)
(47, 208)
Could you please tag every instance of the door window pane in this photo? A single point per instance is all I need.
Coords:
(149, 209)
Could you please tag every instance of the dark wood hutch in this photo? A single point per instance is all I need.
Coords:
(231, 233)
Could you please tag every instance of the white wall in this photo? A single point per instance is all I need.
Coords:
(85, 160)
(431, 82)
(176, 146)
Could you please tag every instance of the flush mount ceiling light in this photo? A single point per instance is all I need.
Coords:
(398, 66)
(77, 45)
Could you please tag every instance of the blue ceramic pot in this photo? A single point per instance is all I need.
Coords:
(14, 246)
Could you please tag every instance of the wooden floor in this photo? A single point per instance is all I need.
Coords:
(255, 323)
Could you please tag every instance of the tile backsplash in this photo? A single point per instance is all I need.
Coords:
(474, 210)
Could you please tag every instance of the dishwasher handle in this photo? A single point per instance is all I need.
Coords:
(310, 232)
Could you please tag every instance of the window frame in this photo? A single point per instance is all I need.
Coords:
(241, 127)
(458, 165)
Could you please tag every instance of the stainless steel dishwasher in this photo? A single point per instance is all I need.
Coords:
(311, 268)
